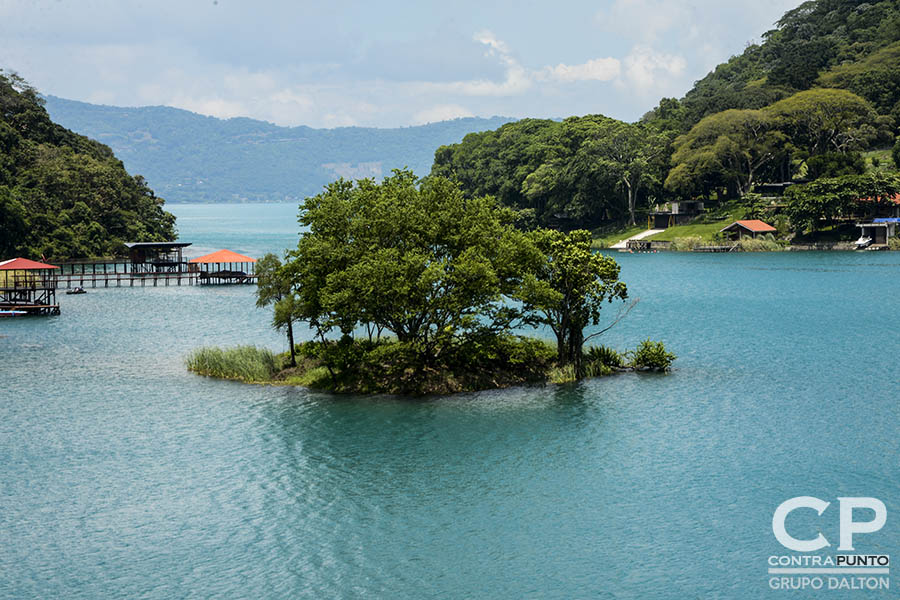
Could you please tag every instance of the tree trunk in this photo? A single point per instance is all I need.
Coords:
(569, 345)
(290, 332)
(562, 355)
(576, 342)
(630, 201)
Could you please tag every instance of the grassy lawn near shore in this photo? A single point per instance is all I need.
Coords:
(706, 228)
(607, 239)
(706, 231)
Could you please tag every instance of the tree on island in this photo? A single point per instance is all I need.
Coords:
(569, 289)
(412, 258)
(274, 287)
(450, 278)
(451, 281)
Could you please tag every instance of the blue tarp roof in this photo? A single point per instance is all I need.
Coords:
(887, 220)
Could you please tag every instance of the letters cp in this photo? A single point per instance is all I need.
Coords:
(848, 525)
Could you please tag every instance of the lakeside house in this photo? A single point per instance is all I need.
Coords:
(883, 207)
(224, 266)
(883, 218)
(678, 213)
(875, 235)
(27, 287)
(747, 228)
(157, 257)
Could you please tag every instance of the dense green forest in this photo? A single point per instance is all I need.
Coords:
(64, 195)
(821, 88)
(188, 157)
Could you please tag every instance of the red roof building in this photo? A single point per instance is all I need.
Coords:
(23, 264)
(747, 228)
(224, 266)
(223, 257)
(27, 286)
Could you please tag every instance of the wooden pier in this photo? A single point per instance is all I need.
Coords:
(731, 248)
(122, 272)
(106, 280)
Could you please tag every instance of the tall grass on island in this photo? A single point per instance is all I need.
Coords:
(242, 363)
(391, 367)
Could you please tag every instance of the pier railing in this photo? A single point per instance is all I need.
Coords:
(126, 279)
(96, 273)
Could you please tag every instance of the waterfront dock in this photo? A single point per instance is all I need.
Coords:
(156, 264)
(731, 248)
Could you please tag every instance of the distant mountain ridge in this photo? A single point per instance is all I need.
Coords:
(187, 157)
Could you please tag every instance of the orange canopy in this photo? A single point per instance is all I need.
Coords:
(223, 256)
(23, 264)
(754, 225)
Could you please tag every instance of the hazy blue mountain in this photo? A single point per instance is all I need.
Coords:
(187, 157)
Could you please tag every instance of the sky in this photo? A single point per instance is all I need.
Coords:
(379, 63)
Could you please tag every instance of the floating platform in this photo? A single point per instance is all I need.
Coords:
(715, 248)
(17, 310)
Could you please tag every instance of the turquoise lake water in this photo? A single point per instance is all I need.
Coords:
(124, 476)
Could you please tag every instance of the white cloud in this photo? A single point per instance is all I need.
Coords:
(650, 71)
(338, 120)
(518, 79)
(441, 112)
(598, 69)
(358, 66)
(644, 20)
(212, 106)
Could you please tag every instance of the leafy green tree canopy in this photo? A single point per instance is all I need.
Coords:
(415, 258)
(274, 288)
(63, 195)
(570, 288)
(825, 120)
(828, 199)
(733, 145)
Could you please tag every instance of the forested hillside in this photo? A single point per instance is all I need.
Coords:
(62, 194)
(846, 44)
(822, 88)
(188, 157)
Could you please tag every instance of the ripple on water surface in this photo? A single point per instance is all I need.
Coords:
(124, 476)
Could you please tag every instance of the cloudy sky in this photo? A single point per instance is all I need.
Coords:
(377, 63)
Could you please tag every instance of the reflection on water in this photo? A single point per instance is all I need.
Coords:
(124, 476)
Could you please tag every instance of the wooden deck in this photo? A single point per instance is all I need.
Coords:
(122, 273)
(716, 248)
(33, 309)
(95, 280)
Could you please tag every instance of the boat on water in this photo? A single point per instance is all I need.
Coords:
(78, 290)
(12, 313)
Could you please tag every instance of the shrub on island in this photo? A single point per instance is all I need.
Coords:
(652, 356)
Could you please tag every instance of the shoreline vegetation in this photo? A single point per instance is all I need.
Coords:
(63, 195)
(409, 287)
(389, 367)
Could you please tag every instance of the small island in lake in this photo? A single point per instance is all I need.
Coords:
(410, 287)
